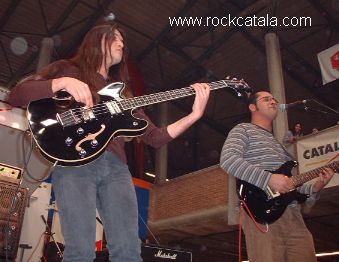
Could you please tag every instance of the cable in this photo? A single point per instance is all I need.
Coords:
(239, 236)
(253, 219)
(36, 247)
(149, 230)
(49, 233)
(330, 109)
(24, 170)
(27, 159)
(241, 214)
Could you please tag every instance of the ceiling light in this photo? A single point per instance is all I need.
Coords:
(110, 17)
(19, 45)
(149, 174)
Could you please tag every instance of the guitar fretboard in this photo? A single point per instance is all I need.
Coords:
(309, 175)
(145, 100)
(79, 115)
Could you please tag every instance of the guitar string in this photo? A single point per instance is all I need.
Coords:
(300, 179)
(75, 114)
(128, 101)
(73, 117)
(169, 94)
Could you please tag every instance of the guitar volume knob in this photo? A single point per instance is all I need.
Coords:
(68, 141)
(80, 131)
(94, 143)
(82, 153)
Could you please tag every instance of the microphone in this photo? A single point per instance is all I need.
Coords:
(284, 107)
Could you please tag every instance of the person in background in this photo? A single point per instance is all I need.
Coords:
(292, 135)
(104, 184)
(315, 130)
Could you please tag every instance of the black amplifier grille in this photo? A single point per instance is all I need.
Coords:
(8, 194)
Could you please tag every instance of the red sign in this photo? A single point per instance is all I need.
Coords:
(335, 61)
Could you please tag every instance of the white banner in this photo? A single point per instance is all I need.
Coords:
(329, 64)
(318, 150)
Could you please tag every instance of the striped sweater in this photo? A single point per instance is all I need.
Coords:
(249, 151)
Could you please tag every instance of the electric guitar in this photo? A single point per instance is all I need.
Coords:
(74, 135)
(268, 207)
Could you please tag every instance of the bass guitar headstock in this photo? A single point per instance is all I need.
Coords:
(240, 87)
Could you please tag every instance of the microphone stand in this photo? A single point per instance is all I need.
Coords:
(332, 112)
(306, 108)
(330, 109)
(49, 233)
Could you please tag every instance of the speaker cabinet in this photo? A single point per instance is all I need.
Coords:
(150, 253)
(13, 201)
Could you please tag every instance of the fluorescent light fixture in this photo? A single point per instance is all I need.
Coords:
(149, 174)
(318, 255)
(328, 254)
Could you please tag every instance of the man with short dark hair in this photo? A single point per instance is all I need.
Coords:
(248, 152)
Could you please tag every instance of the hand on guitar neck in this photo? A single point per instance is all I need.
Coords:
(324, 177)
(268, 205)
(202, 92)
(284, 184)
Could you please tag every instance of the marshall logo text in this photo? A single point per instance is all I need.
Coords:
(168, 255)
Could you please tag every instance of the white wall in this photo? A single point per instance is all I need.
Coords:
(12, 152)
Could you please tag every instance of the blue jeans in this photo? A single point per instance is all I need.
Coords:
(105, 184)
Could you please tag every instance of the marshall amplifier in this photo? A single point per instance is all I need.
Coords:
(13, 201)
(148, 253)
(160, 254)
(9, 171)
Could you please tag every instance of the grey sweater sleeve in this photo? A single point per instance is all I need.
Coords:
(233, 162)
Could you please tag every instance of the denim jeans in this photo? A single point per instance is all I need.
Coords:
(105, 184)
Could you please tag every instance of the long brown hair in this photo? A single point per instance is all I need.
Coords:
(89, 58)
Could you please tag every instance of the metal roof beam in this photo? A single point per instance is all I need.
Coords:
(90, 23)
(164, 32)
(34, 56)
(292, 74)
(330, 19)
(8, 13)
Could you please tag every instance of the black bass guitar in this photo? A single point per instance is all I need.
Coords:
(268, 207)
(74, 135)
